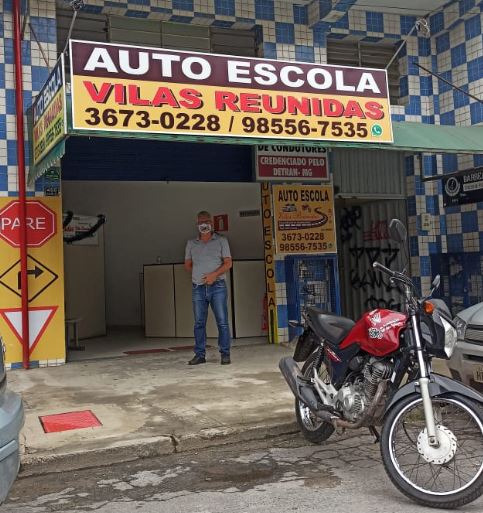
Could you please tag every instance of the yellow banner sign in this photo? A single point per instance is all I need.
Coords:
(49, 113)
(272, 319)
(304, 219)
(45, 283)
(144, 90)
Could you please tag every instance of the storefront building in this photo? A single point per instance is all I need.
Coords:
(370, 185)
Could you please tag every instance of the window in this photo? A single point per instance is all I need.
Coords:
(158, 34)
(133, 31)
(370, 55)
(233, 42)
(182, 36)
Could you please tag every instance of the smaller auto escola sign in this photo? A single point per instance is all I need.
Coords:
(131, 89)
(304, 219)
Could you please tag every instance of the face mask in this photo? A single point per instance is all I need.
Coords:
(204, 228)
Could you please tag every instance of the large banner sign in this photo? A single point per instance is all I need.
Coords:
(464, 188)
(132, 89)
(304, 219)
(49, 114)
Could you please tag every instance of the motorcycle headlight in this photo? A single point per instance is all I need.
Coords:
(450, 337)
(460, 327)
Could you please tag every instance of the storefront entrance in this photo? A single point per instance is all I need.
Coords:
(127, 285)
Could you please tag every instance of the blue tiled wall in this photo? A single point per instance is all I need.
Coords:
(35, 71)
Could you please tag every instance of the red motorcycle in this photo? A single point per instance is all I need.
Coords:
(377, 372)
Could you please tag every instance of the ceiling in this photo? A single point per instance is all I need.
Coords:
(406, 6)
(418, 7)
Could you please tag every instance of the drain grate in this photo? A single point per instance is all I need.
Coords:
(147, 351)
(161, 350)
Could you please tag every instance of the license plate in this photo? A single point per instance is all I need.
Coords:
(478, 373)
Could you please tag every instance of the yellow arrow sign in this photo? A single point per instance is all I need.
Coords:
(40, 277)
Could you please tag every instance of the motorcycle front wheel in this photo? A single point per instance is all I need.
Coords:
(313, 429)
(447, 476)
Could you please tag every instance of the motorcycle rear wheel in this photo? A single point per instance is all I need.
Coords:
(448, 477)
(313, 429)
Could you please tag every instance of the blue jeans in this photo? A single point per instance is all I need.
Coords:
(216, 296)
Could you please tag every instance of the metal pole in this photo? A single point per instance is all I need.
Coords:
(439, 77)
(401, 47)
(17, 49)
(70, 30)
(39, 44)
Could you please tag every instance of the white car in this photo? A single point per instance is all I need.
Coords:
(466, 364)
(11, 422)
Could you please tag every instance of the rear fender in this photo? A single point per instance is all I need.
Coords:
(439, 386)
(307, 343)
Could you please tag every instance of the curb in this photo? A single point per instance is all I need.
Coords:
(122, 452)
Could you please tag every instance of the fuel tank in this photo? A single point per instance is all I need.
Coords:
(377, 332)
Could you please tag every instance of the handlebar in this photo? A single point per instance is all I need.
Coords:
(384, 269)
(394, 274)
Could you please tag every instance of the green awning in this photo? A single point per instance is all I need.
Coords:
(408, 137)
(420, 137)
(50, 160)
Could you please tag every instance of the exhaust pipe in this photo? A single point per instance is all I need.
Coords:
(301, 389)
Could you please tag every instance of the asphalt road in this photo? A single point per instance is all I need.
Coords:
(276, 476)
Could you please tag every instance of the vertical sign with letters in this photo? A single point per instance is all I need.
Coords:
(269, 254)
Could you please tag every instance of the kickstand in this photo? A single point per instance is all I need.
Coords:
(375, 433)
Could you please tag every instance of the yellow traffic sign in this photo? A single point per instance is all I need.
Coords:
(40, 277)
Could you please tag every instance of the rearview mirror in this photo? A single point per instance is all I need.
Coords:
(436, 283)
(397, 231)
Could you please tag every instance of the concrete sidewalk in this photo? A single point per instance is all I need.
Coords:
(152, 404)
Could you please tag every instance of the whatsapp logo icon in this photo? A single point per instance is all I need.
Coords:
(376, 130)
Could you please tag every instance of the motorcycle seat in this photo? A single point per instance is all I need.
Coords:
(331, 327)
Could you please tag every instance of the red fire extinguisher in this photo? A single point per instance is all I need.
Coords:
(265, 314)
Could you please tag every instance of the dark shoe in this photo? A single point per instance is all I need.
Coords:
(225, 359)
(196, 360)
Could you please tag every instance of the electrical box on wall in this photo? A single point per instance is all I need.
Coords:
(426, 222)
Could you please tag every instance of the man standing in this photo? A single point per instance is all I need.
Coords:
(208, 258)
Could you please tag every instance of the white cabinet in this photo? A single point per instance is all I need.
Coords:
(84, 286)
(159, 309)
(168, 310)
(248, 293)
